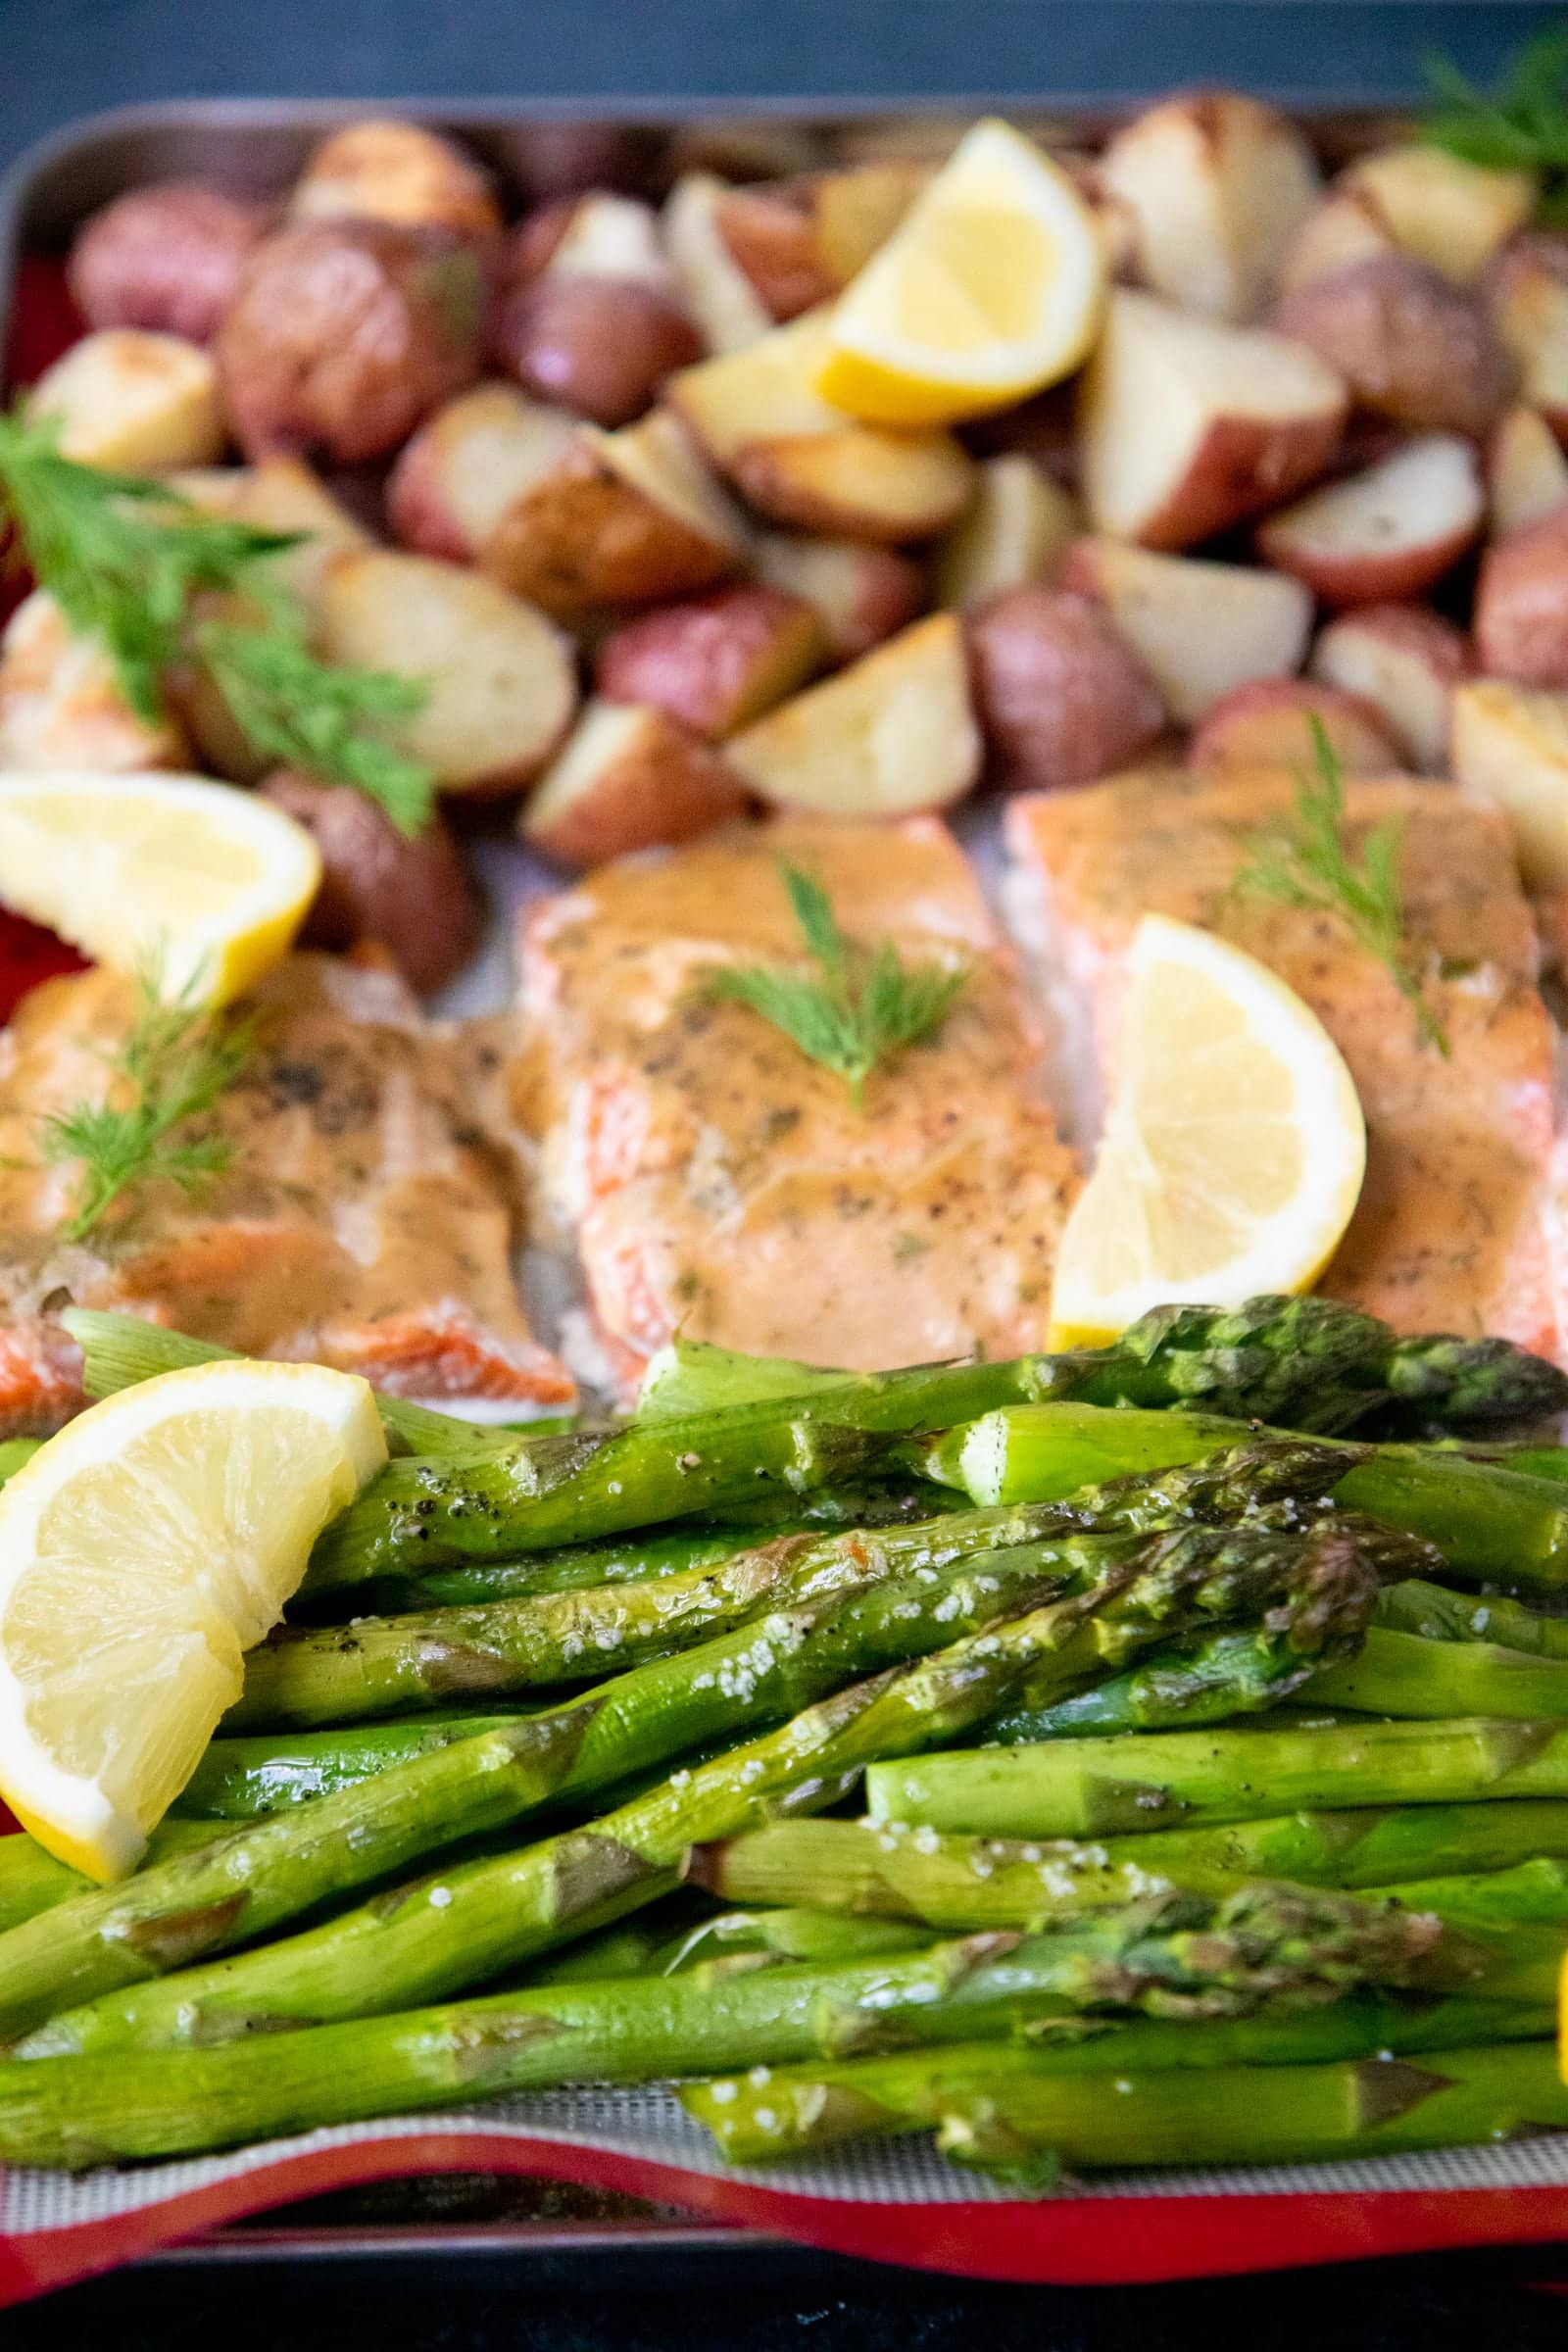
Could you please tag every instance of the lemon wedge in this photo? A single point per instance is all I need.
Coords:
(142, 1550)
(990, 289)
(1234, 1149)
(201, 882)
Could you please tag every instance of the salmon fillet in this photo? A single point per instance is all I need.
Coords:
(365, 1218)
(1452, 1229)
(720, 1183)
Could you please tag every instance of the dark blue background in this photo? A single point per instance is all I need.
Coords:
(64, 57)
(60, 58)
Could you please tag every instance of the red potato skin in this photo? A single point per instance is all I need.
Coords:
(892, 594)
(1061, 697)
(1362, 578)
(1520, 611)
(1267, 722)
(677, 789)
(1241, 467)
(165, 259)
(717, 662)
(1412, 346)
(343, 334)
(1518, 289)
(599, 346)
(410, 897)
(770, 234)
(418, 513)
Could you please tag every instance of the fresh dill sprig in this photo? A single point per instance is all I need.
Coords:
(305, 713)
(1522, 125)
(1308, 865)
(861, 1006)
(131, 562)
(173, 1065)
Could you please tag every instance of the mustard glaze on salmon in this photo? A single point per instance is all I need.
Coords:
(365, 1218)
(721, 1184)
(1452, 1230)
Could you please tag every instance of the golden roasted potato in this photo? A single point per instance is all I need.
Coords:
(1384, 535)
(628, 777)
(501, 684)
(1404, 661)
(1216, 186)
(1526, 295)
(729, 312)
(1187, 425)
(468, 466)
(1062, 696)
(717, 662)
(135, 401)
(1450, 214)
(1200, 629)
(1014, 531)
(861, 594)
(344, 334)
(386, 170)
(759, 417)
(1527, 473)
(617, 518)
(1510, 752)
(893, 734)
(165, 258)
(410, 898)
(771, 235)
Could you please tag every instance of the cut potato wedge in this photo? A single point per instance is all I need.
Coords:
(1450, 214)
(1187, 425)
(1270, 723)
(614, 236)
(1217, 186)
(1527, 473)
(857, 209)
(1404, 661)
(1389, 532)
(62, 705)
(861, 595)
(893, 734)
(1061, 695)
(758, 418)
(1510, 751)
(628, 777)
(1526, 292)
(468, 465)
(717, 662)
(282, 494)
(1344, 226)
(770, 233)
(136, 403)
(1200, 629)
(1016, 526)
(1521, 607)
(500, 683)
(390, 170)
(729, 312)
(620, 518)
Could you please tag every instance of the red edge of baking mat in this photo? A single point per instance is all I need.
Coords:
(1103, 2239)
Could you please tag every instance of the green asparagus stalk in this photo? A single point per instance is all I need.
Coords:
(1085, 1788)
(1531, 1893)
(1026, 2112)
(239, 1780)
(257, 1878)
(1486, 1521)
(31, 1881)
(1227, 1675)
(728, 1939)
(442, 1936)
(1202, 1960)
(1416, 1607)
(956, 1885)
(1406, 1675)
(692, 1376)
(118, 1351)
(437, 1657)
